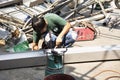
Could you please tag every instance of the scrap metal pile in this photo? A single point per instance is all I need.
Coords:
(112, 21)
(17, 19)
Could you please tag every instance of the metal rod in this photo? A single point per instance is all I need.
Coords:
(81, 6)
(69, 15)
(99, 12)
(102, 7)
(11, 23)
(28, 31)
(27, 23)
(94, 14)
(76, 18)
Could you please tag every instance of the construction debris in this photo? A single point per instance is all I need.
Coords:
(2, 42)
(112, 20)
(4, 34)
(20, 16)
(31, 3)
(108, 10)
(4, 3)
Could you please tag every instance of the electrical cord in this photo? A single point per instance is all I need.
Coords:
(112, 77)
(108, 77)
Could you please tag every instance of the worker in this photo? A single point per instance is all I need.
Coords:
(53, 29)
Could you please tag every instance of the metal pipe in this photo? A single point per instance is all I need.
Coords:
(80, 7)
(99, 12)
(76, 18)
(94, 14)
(9, 22)
(102, 7)
(93, 18)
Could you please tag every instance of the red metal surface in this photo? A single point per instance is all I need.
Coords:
(59, 77)
(84, 33)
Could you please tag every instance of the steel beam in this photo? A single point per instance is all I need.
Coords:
(9, 2)
(73, 55)
(26, 59)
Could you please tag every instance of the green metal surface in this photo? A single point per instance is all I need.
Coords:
(21, 47)
(54, 65)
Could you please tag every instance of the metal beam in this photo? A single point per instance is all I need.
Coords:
(76, 54)
(9, 2)
(26, 59)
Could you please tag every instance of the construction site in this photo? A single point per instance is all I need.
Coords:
(94, 55)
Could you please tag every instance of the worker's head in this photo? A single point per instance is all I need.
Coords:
(39, 24)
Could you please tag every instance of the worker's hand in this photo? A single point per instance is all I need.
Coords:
(58, 41)
(35, 46)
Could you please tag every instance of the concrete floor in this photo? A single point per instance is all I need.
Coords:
(80, 71)
(89, 71)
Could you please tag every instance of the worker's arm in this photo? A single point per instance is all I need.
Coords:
(36, 38)
(63, 32)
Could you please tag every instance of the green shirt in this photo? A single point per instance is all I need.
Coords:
(55, 24)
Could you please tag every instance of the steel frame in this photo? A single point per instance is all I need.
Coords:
(73, 55)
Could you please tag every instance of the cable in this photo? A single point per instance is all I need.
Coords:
(107, 71)
(112, 77)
